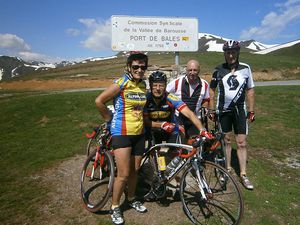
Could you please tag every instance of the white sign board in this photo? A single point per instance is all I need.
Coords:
(154, 34)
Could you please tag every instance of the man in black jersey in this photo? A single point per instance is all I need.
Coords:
(159, 114)
(234, 82)
(159, 111)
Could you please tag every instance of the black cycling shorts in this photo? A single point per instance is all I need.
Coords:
(136, 142)
(235, 120)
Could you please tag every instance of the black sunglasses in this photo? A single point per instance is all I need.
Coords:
(136, 67)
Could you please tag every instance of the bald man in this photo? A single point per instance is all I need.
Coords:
(193, 91)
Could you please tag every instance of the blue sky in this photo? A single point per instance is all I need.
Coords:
(55, 30)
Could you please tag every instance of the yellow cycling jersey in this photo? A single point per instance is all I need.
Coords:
(129, 104)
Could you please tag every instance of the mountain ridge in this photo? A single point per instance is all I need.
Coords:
(11, 67)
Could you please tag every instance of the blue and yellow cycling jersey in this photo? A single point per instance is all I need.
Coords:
(129, 104)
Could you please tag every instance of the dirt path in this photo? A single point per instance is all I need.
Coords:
(63, 204)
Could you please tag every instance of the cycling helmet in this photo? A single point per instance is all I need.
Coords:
(231, 44)
(157, 76)
(136, 55)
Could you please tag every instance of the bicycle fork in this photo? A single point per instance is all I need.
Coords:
(98, 158)
(201, 181)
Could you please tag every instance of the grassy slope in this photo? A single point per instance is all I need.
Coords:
(39, 131)
(287, 59)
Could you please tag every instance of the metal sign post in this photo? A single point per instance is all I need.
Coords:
(177, 58)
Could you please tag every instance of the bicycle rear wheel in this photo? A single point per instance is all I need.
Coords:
(223, 203)
(96, 181)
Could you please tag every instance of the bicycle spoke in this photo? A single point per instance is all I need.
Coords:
(223, 206)
(97, 180)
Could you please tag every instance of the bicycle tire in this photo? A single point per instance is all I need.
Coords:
(145, 177)
(223, 206)
(92, 144)
(96, 191)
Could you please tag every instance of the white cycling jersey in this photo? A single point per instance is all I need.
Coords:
(232, 87)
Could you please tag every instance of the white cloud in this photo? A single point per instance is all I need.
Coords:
(12, 45)
(287, 3)
(12, 41)
(99, 34)
(73, 32)
(274, 23)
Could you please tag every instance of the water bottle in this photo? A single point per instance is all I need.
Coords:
(161, 163)
(173, 164)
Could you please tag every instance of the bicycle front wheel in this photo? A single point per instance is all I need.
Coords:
(92, 144)
(96, 181)
(222, 203)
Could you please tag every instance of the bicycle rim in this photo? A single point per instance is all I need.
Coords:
(96, 181)
(224, 205)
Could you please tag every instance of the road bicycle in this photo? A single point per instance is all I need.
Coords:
(207, 197)
(98, 170)
(209, 194)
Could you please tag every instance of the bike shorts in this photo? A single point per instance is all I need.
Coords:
(136, 142)
(237, 121)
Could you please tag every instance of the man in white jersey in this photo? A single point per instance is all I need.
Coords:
(193, 91)
(234, 82)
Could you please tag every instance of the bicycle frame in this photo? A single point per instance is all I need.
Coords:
(194, 157)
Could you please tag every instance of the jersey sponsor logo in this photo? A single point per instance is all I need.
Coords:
(233, 83)
(239, 94)
(157, 115)
(136, 96)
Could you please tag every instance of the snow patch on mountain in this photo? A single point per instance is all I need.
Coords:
(45, 66)
(98, 59)
(211, 36)
(257, 46)
(274, 48)
(213, 46)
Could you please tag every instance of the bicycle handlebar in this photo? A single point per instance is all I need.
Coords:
(198, 141)
(93, 134)
(103, 126)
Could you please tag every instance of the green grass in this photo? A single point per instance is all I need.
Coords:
(39, 131)
(36, 132)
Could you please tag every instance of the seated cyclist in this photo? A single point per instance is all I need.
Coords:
(159, 114)
(159, 111)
